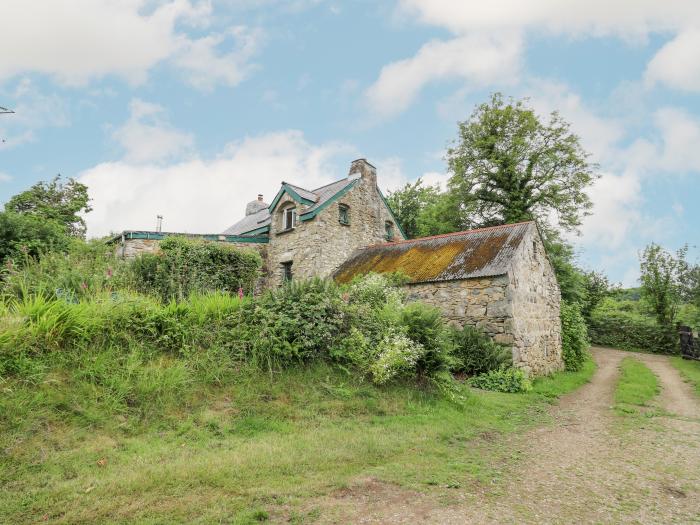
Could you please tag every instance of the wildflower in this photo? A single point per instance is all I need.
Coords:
(109, 272)
(83, 285)
(240, 292)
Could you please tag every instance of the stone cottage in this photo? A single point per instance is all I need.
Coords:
(498, 279)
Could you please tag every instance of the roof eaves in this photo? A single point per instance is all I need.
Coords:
(287, 188)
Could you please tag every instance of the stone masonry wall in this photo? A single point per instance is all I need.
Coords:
(477, 302)
(318, 246)
(536, 298)
(134, 247)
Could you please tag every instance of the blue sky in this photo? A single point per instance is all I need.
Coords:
(190, 109)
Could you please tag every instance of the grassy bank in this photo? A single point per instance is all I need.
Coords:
(637, 386)
(690, 370)
(255, 442)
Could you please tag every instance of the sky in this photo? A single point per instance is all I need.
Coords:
(189, 109)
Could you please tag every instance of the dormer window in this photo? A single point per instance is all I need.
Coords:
(389, 230)
(289, 218)
(344, 214)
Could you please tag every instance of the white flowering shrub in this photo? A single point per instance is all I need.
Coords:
(396, 355)
(375, 291)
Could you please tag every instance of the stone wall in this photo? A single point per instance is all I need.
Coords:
(483, 303)
(131, 248)
(536, 298)
(318, 246)
(520, 309)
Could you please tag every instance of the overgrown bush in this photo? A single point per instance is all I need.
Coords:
(574, 336)
(186, 266)
(425, 325)
(86, 269)
(505, 379)
(475, 352)
(296, 323)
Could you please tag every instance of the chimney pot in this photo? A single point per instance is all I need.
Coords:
(260, 197)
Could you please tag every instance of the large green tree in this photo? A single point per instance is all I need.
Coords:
(509, 165)
(46, 217)
(424, 210)
(59, 201)
(662, 278)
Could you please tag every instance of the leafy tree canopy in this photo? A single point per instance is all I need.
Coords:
(57, 201)
(424, 210)
(509, 166)
(663, 283)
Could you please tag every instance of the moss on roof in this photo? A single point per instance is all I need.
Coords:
(463, 255)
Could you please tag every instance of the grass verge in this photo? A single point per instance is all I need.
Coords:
(637, 386)
(239, 452)
(690, 370)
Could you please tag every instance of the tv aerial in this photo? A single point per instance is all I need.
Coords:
(5, 111)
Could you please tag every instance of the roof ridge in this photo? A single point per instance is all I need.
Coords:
(298, 187)
(329, 184)
(452, 234)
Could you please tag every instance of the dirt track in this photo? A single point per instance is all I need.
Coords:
(584, 468)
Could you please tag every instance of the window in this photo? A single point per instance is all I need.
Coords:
(344, 214)
(389, 229)
(287, 271)
(289, 218)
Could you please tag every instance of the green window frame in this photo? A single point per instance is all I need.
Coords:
(389, 230)
(344, 214)
(287, 271)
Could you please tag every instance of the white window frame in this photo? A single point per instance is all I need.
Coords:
(289, 218)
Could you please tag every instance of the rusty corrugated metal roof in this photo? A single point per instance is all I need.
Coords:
(485, 252)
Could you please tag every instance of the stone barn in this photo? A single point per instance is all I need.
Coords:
(498, 279)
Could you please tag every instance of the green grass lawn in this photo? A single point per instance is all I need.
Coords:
(235, 453)
(690, 370)
(637, 386)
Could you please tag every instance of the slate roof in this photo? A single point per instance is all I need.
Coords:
(250, 223)
(327, 192)
(319, 197)
(485, 252)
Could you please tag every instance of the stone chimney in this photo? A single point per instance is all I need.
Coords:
(360, 168)
(255, 206)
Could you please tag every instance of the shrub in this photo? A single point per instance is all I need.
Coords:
(85, 270)
(502, 380)
(397, 355)
(186, 266)
(475, 352)
(375, 290)
(426, 327)
(630, 331)
(574, 336)
(297, 322)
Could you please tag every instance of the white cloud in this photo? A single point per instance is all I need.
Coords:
(147, 137)
(599, 135)
(681, 137)
(478, 59)
(204, 67)
(617, 199)
(487, 48)
(204, 196)
(677, 64)
(76, 41)
(625, 18)
(4, 177)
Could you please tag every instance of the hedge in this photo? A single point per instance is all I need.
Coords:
(630, 331)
